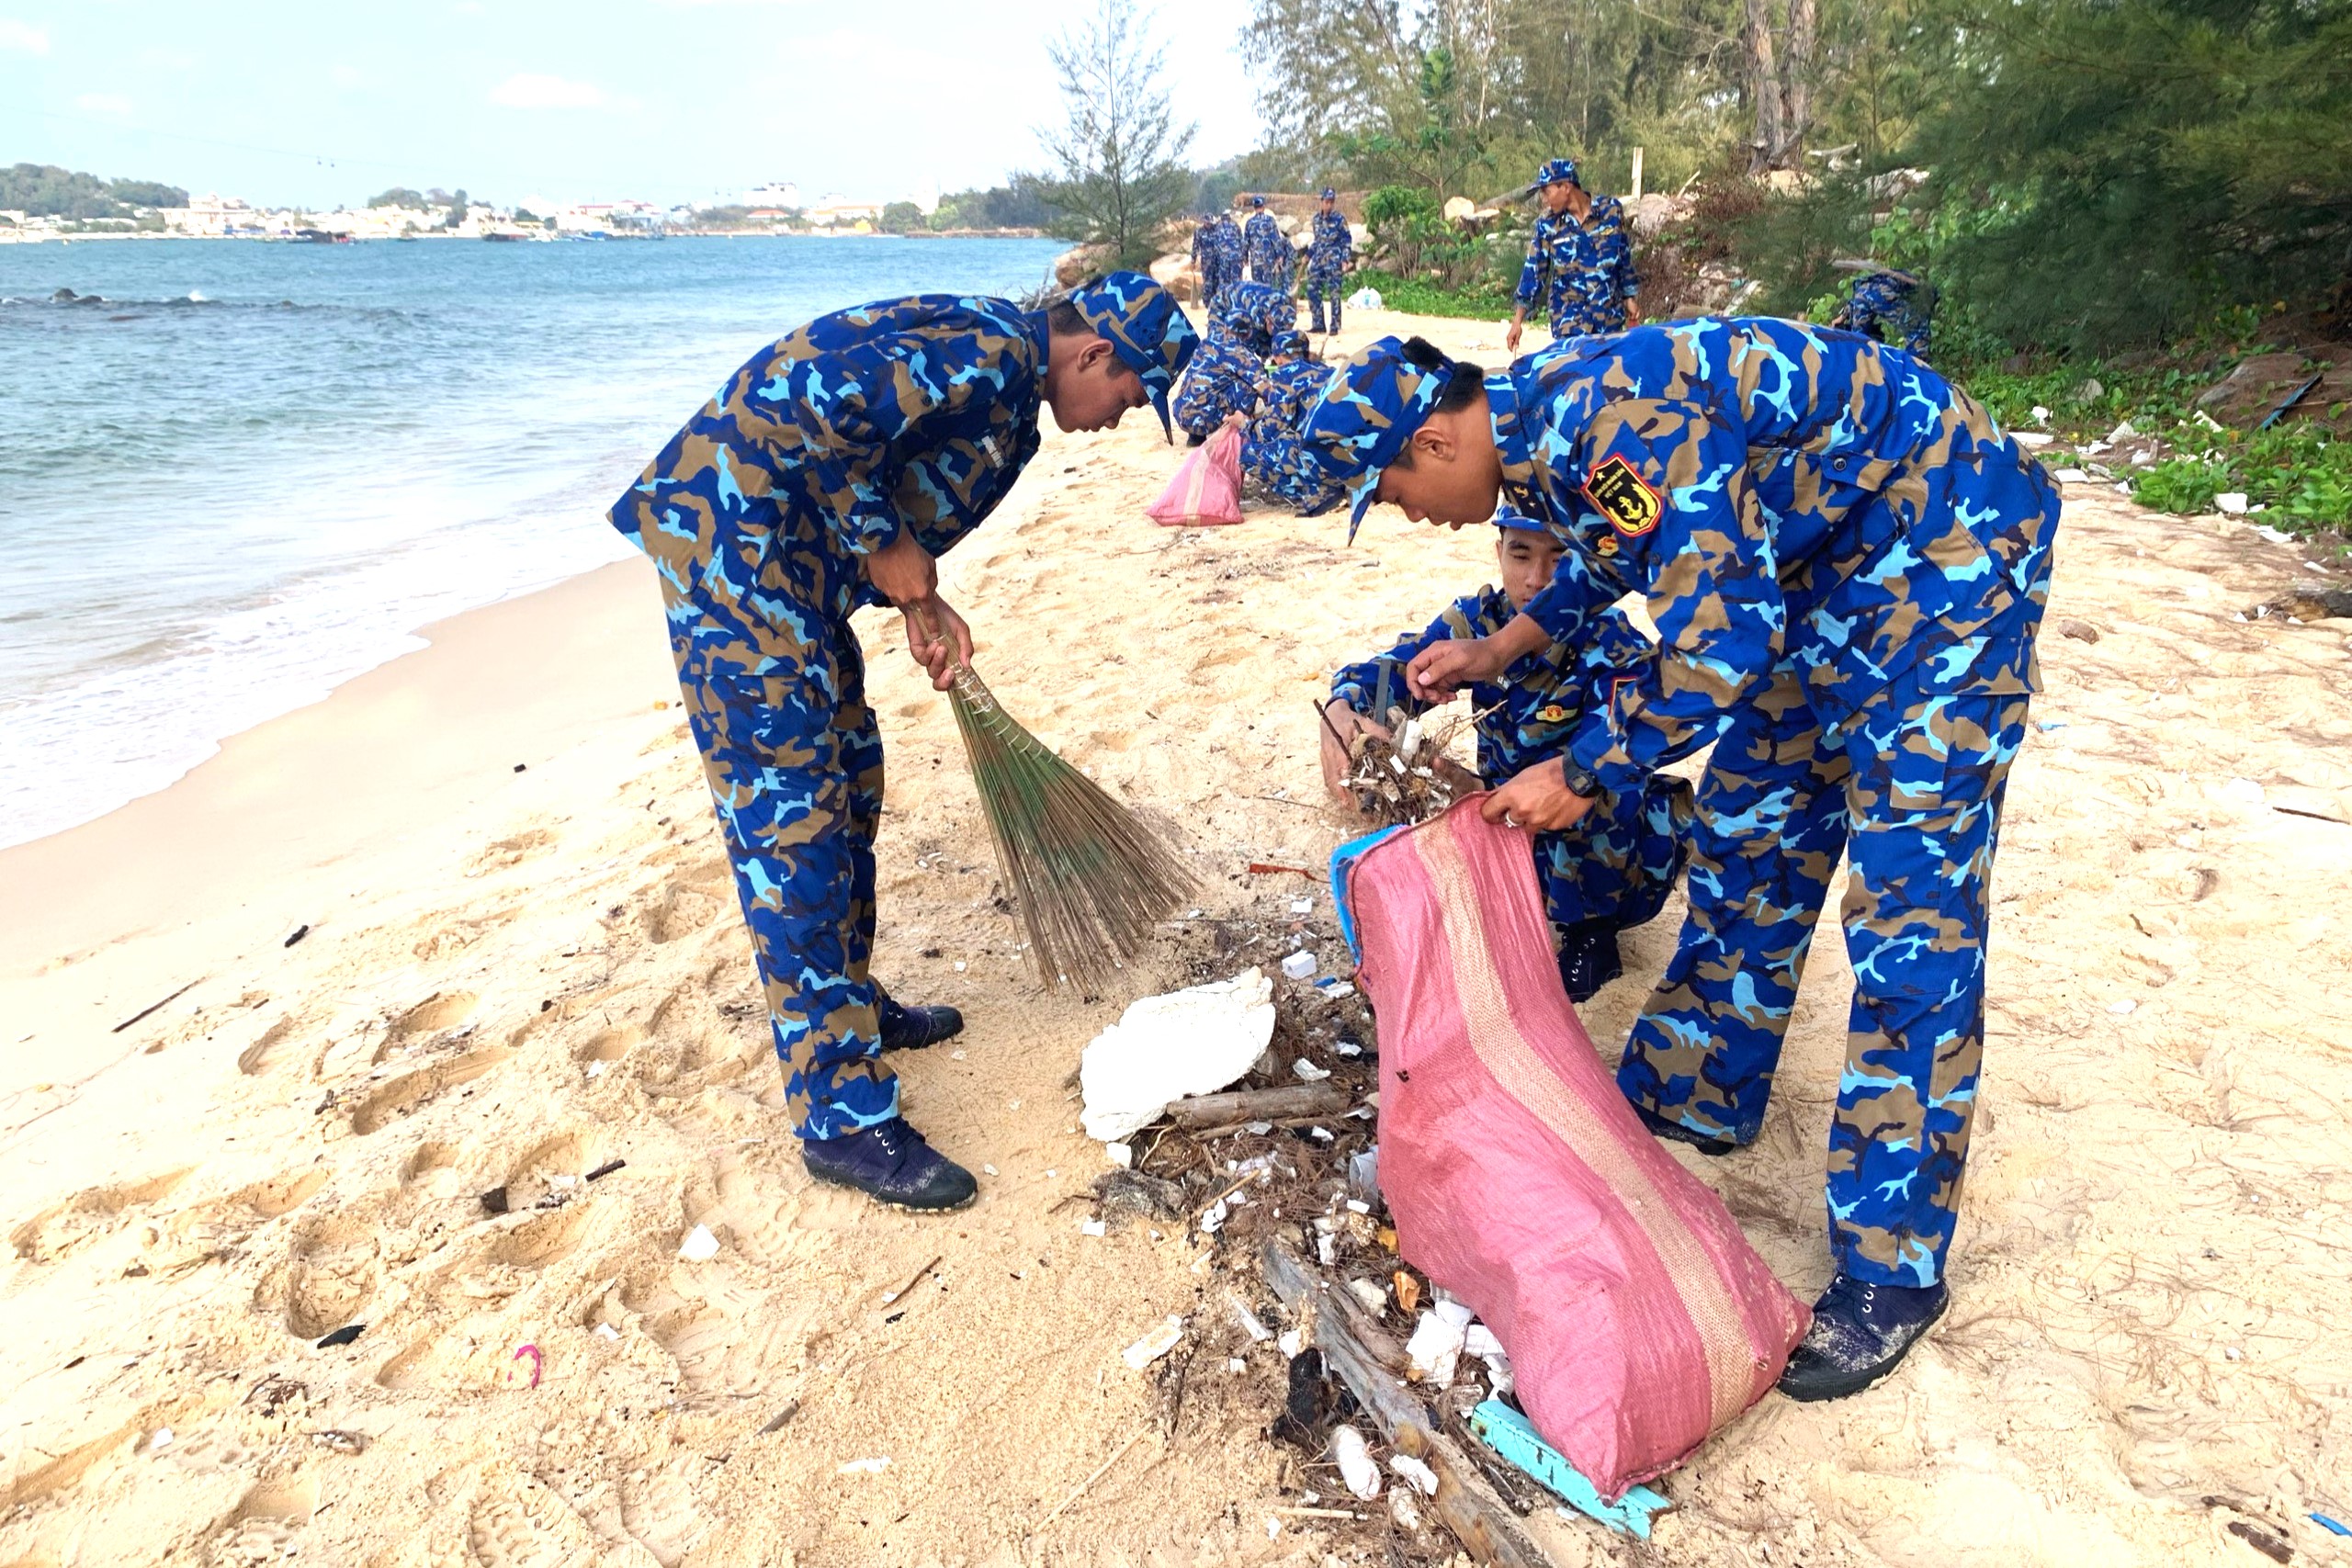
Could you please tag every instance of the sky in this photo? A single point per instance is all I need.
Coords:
(294, 102)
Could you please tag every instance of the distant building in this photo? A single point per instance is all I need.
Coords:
(774, 194)
(839, 212)
(210, 215)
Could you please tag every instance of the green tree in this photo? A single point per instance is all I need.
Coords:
(399, 195)
(146, 192)
(1119, 173)
(457, 210)
(901, 218)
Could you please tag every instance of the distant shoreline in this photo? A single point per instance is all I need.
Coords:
(8, 238)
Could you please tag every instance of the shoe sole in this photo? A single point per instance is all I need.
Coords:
(963, 1202)
(1853, 1383)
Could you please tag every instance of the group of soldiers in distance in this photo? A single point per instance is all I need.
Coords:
(1257, 372)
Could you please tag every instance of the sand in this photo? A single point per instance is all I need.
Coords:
(511, 979)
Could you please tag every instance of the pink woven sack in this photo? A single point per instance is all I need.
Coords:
(1207, 486)
(1637, 1318)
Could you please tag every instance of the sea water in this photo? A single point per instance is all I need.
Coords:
(253, 469)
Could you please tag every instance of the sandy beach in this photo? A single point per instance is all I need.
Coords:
(521, 960)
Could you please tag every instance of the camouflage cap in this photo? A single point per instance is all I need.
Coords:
(1328, 195)
(1555, 170)
(1257, 201)
(1292, 342)
(1145, 325)
(1511, 519)
(1365, 416)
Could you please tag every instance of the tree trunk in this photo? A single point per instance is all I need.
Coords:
(1763, 86)
(1780, 83)
(1796, 83)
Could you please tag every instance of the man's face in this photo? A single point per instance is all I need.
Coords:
(1527, 560)
(1330, 205)
(1558, 195)
(1455, 476)
(1096, 391)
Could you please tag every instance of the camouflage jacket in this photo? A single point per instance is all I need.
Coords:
(1777, 492)
(1271, 257)
(1255, 315)
(911, 414)
(1583, 272)
(1327, 252)
(1531, 714)
(1271, 453)
(1891, 310)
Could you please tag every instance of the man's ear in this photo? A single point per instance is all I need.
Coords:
(1434, 443)
(1092, 356)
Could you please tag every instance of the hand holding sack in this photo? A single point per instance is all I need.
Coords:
(1206, 489)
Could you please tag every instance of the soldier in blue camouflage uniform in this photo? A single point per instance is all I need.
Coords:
(1255, 315)
(828, 474)
(1327, 255)
(1216, 255)
(1846, 561)
(1893, 307)
(1221, 383)
(1612, 870)
(1580, 261)
(1272, 458)
(1270, 255)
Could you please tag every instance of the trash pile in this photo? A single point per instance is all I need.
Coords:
(1406, 775)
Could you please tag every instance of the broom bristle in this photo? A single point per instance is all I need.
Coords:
(1091, 880)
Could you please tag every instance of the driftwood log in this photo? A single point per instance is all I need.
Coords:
(1368, 1358)
(1259, 1105)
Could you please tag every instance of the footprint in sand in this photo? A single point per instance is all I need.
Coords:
(659, 1512)
(727, 1340)
(404, 1095)
(685, 907)
(333, 1273)
(268, 1050)
(284, 1193)
(267, 1523)
(520, 1523)
(774, 1224)
(509, 853)
(68, 1226)
(416, 1029)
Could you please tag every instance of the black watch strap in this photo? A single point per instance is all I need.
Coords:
(1580, 783)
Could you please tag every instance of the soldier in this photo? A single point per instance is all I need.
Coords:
(1846, 561)
(1221, 383)
(828, 474)
(1256, 315)
(1216, 255)
(1271, 257)
(1610, 870)
(1580, 261)
(1327, 255)
(1893, 307)
(1272, 458)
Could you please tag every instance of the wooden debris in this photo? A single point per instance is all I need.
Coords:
(1466, 1504)
(1257, 1105)
(1100, 1472)
(156, 1007)
(900, 1292)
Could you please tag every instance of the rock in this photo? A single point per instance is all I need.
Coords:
(2091, 389)
(2081, 631)
(1074, 268)
(1178, 276)
(1458, 208)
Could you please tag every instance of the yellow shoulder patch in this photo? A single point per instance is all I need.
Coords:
(1618, 492)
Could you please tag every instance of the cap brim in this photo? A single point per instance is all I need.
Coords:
(1360, 500)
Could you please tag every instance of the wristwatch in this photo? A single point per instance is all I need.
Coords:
(1581, 784)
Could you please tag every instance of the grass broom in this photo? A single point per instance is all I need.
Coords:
(1090, 878)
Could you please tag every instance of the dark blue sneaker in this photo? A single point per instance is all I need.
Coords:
(1859, 1332)
(912, 1029)
(1714, 1148)
(1588, 960)
(891, 1162)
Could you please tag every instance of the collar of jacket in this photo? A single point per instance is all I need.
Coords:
(1042, 336)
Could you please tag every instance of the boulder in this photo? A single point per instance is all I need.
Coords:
(1176, 274)
(1074, 268)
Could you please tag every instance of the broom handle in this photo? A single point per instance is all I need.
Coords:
(931, 631)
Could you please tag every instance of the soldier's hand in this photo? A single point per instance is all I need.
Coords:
(1538, 799)
(1438, 671)
(1510, 335)
(939, 640)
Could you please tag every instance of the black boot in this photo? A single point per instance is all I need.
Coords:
(1335, 315)
(1588, 960)
(1859, 1332)
(1714, 1148)
(891, 1162)
(912, 1029)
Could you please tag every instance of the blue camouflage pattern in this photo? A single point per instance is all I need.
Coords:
(1223, 379)
(1216, 255)
(1366, 413)
(908, 416)
(1271, 260)
(1145, 327)
(1329, 250)
(1892, 307)
(1255, 315)
(1557, 171)
(1273, 457)
(1582, 272)
(1615, 868)
(1848, 562)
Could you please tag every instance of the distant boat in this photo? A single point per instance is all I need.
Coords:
(507, 236)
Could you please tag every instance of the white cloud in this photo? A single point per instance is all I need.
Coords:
(103, 103)
(531, 90)
(23, 36)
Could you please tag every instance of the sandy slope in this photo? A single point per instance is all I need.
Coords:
(515, 978)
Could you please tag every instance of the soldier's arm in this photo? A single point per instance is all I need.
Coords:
(1361, 685)
(1673, 485)
(1629, 281)
(839, 412)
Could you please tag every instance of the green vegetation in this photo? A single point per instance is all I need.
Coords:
(44, 190)
(401, 196)
(1422, 298)
(901, 218)
(1119, 173)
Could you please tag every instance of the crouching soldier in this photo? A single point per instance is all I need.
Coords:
(1613, 869)
(829, 474)
(1273, 459)
(1846, 561)
(1894, 307)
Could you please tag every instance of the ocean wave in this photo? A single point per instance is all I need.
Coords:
(194, 299)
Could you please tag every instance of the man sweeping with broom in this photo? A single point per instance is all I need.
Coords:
(829, 474)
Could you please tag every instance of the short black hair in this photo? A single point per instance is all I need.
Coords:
(1465, 383)
(1065, 320)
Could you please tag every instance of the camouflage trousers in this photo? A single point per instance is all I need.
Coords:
(1910, 791)
(1324, 283)
(795, 764)
(1615, 868)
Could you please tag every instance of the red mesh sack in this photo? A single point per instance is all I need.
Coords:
(1637, 1317)
(1207, 486)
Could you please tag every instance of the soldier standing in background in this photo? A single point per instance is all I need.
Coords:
(1216, 255)
(1327, 255)
(1271, 257)
(1580, 261)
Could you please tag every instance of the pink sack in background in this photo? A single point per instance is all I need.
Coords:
(1637, 1317)
(1207, 486)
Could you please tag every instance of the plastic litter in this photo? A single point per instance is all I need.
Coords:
(1154, 1344)
(2323, 1522)
(864, 1467)
(1195, 1040)
(700, 1246)
(344, 1336)
(1309, 1072)
(1420, 1477)
(1509, 1433)
(2231, 503)
(1355, 1460)
(538, 1361)
(1300, 966)
(1434, 1347)
(1258, 1332)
